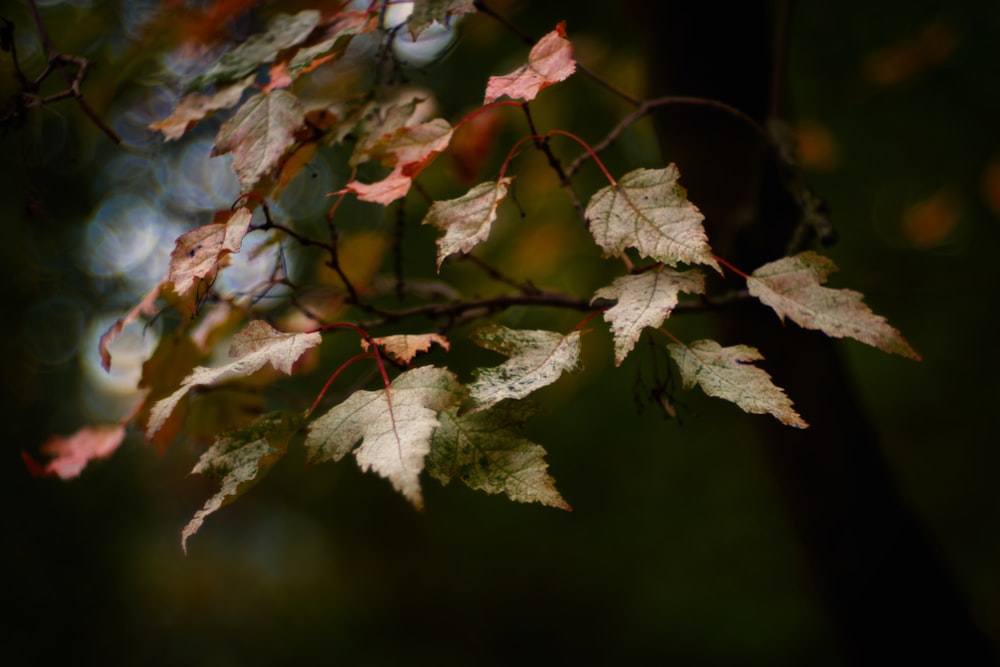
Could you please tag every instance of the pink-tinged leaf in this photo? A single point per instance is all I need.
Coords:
(259, 135)
(145, 307)
(240, 459)
(377, 123)
(403, 347)
(394, 427)
(412, 144)
(196, 106)
(331, 39)
(649, 211)
(792, 287)
(537, 359)
(279, 76)
(70, 455)
(484, 450)
(199, 254)
(728, 373)
(550, 61)
(389, 189)
(644, 300)
(467, 220)
(254, 347)
(426, 12)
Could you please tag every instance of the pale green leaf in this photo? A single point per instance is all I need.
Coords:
(252, 348)
(792, 286)
(728, 373)
(466, 221)
(240, 459)
(259, 134)
(644, 300)
(282, 32)
(426, 12)
(484, 450)
(649, 211)
(537, 359)
(394, 427)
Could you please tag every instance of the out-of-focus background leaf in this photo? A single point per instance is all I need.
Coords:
(678, 550)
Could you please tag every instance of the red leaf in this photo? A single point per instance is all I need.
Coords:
(70, 455)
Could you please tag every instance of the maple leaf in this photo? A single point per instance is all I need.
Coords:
(649, 211)
(284, 31)
(725, 372)
(484, 451)
(394, 427)
(791, 286)
(409, 150)
(252, 348)
(195, 106)
(466, 221)
(426, 12)
(239, 459)
(537, 359)
(199, 254)
(70, 455)
(549, 61)
(644, 300)
(145, 307)
(259, 134)
(403, 347)
(331, 40)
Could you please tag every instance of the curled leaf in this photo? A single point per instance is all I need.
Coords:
(403, 347)
(550, 61)
(466, 221)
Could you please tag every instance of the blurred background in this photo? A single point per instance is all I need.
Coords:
(682, 546)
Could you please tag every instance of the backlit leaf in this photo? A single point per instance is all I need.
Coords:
(727, 373)
(199, 254)
(644, 300)
(537, 359)
(792, 286)
(466, 221)
(259, 135)
(70, 455)
(403, 347)
(550, 61)
(240, 459)
(484, 450)
(649, 211)
(254, 347)
(394, 427)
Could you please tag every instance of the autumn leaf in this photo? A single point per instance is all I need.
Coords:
(537, 359)
(403, 347)
(284, 31)
(792, 286)
(426, 12)
(394, 427)
(330, 40)
(195, 106)
(199, 254)
(409, 150)
(644, 300)
(550, 61)
(726, 373)
(484, 450)
(649, 211)
(466, 221)
(70, 455)
(259, 134)
(252, 348)
(145, 307)
(240, 459)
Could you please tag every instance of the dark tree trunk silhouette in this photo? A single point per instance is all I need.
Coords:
(887, 591)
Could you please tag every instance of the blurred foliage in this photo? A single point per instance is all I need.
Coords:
(678, 549)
